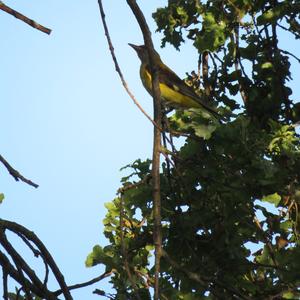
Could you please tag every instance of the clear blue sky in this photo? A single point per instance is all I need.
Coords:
(67, 122)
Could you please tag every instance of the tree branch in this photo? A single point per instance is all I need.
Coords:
(15, 174)
(124, 249)
(87, 283)
(23, 18)
(20, 262)
(30, 236)
(157, 235)
(117, 67)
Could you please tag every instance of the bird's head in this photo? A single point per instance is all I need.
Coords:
(142, 53)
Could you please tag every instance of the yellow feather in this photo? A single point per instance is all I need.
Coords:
(171, 96)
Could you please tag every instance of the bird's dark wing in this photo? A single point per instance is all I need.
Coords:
(171, 79)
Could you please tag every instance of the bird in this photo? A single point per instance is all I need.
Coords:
(174, 91)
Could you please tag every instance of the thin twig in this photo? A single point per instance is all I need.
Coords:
(199, 68)
(134, 185)
(23, 18)
(15, 174)
(117, 67)
(205, 68)
(87, 283)
(291, 54)
(201, 279)
(268, 243)
(124, 250)
(288, 30)
(235, 40)
(157, 232)
(191, 275)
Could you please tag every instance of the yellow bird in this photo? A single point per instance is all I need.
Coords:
(174, 91)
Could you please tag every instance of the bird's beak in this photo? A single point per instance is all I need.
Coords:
(135, 47)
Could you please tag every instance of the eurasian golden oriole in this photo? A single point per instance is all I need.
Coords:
(174, 91)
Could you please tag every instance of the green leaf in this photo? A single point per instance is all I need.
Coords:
(213, 34)
(273, 198)
(95, 256)
(267, 65)
(289, 295)
(275, 13)
(1, 197)
(204, 131)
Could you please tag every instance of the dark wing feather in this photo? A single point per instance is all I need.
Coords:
(171, 79)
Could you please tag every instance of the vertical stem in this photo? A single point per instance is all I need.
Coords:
(124, 249)
(156, 198)
(205, 57)
(157, 236)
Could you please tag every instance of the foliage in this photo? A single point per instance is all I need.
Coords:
(1, 197)
(229, 201)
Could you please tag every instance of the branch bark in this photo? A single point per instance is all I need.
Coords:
(15, 174)
(23, 18)
(117, 67)
(44, 253)
(156, 140)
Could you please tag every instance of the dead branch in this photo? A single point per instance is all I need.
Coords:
(23, 18)
(15, 174)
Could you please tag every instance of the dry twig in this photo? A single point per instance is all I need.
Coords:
(15, 174)
(117, 67)
(23, 18)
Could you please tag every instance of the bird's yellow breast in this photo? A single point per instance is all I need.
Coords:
(171, 95)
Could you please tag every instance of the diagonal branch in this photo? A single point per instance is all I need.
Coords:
(117, 67)
(24, 267)
(87, 283)
(20, 230)
(23, 18)
(15, 174)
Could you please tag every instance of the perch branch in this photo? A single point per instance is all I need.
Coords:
(157, 234)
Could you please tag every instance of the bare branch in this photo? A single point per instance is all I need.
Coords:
(117, 67)
(157, 234)
(30, 236)
(15, 174)
(205, 67)
(235, 39)
(125, 188)
(20, 262)
(87, 283)
(291, 54)
(5, 288)
(23, 18)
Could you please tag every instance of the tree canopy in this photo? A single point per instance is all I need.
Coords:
(221, 220)
(230, 194)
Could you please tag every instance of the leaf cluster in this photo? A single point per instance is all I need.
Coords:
(230, 194)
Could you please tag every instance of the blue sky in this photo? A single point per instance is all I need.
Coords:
(67, 122)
